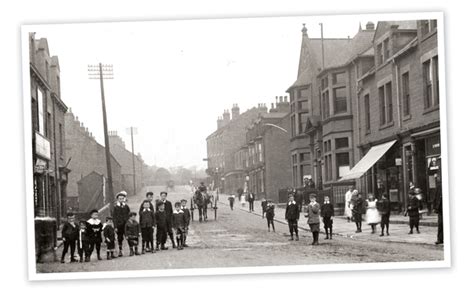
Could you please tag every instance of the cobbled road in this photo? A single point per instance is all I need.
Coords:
(240, 239)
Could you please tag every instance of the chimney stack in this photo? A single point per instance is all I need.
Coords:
(220, 122)
(370, 26)
(235, 111)
(226, 116)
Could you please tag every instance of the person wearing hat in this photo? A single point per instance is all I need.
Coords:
(292, 215)
(120, 216)
(313, 216)
(187, 220)
(169, 215)
(161, 222)
(413, 211)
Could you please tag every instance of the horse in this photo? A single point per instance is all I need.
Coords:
(199, 203)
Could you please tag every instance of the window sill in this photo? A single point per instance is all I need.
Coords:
(387, 125)
(407, 117)
(431, 109)
(367, 132)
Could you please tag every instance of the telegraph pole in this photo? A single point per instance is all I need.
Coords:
(132, 130)
(322, 45)
(102, 72)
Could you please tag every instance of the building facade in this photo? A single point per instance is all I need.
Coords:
(369, 114)
(265, 154)
(124, 158)
(86, 156)
(222, 145)
(50, 172)
(399, 112)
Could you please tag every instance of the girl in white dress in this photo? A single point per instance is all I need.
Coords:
(372, 214)
(348, 207)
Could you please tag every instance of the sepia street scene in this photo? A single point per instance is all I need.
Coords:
(235, 143)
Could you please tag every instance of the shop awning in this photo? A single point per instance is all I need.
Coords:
(374, 154)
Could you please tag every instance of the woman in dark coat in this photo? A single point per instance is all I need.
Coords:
(314, 218)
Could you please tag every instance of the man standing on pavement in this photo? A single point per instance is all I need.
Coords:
(169, 215)
(251, 201)
(292, 215)
(438, 207)
(120, 217)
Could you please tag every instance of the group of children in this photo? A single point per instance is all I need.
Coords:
(292, 215)
(378, 210)
(123, 225)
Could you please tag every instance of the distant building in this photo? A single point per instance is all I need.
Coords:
(222, 145)
(265, 157)
(50, 174)
(87, 156)
(124, 158)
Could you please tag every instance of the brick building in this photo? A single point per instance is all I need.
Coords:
(50, 174)
(222, 145)
(305, 106)
(264, 157)
(87, 160)
(365, 110)
(124, 157)
(398, 132)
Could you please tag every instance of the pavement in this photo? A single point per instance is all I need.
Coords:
(398, 226)
(239, 239)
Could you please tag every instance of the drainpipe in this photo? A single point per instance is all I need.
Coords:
(397, 80)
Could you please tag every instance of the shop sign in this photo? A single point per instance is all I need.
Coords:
(433, 146)
(43, 147)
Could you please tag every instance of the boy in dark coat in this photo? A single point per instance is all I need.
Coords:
(109, 235)
(178, 224)
(169, 215)
(147, 224)
(383, 205)
(292, 215)
(120, 216)
(94, 233)
(70, 234)
(327, 212)
(264, 206)
(357, 210)
(270, 213)
(413, 212)
(187, 220)
(82, 240)
(132, 233)
(161, 221)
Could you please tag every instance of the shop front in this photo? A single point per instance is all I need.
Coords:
(427, 164)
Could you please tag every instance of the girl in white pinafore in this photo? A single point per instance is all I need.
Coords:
(372, 214)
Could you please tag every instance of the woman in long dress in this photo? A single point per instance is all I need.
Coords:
(372, 214)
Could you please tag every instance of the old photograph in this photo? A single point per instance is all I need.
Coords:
(235, 146)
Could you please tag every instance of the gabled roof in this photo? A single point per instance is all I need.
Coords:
(401, 25)
(334, 50)
(360, 45)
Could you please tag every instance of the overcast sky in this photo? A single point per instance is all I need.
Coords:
(173, 78)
